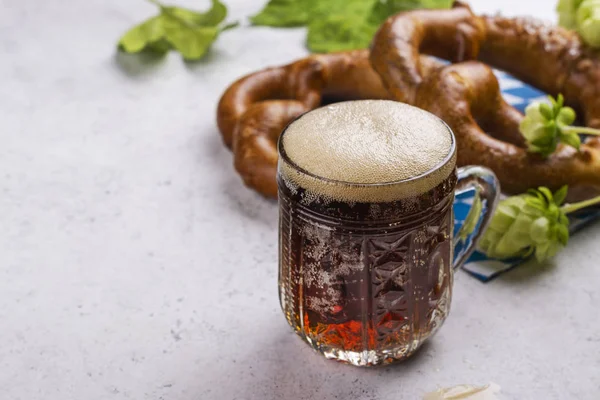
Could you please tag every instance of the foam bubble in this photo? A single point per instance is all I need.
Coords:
(367, 150)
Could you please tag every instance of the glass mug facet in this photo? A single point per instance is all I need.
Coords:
(366, 246)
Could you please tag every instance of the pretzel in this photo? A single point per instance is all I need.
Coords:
(549, 57)
(467, 96)
(255, 109)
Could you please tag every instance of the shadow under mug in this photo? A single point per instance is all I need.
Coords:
(368, 283)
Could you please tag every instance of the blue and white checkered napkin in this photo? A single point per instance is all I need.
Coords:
(520, 95)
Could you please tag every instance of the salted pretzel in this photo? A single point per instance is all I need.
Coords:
(546, 56)
(466, 95)
(254, 110)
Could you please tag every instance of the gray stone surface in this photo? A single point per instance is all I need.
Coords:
(135, 265)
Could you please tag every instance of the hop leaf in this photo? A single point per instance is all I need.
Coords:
(189, 32)
(531, 223)
(571, 139)
(335, 25)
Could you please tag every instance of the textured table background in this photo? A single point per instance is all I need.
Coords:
(135, 265)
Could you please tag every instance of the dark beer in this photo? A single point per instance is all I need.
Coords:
(366, 255)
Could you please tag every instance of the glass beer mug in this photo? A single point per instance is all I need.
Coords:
(366, 247)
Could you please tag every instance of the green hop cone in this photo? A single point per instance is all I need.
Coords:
(535, 125)
(582, 16)
(546, 125)
(587, 18)
(567, 10)
(540, 128)
(531, 223)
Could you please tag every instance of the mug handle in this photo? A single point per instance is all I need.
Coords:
(487, 193)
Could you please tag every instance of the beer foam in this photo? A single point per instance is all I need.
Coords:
(367, 151)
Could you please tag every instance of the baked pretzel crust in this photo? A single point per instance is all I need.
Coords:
(467, 96)
(255, 109)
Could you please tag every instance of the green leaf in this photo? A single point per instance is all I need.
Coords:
(229, 26)
(547, 194)
(352, 9)
(187, 31)
(534, 207)
(338, 33)
(385, 8)
(285, 13)
(192, 42)
(553, 211)
(213, 17)
(335, 25)
(160, 46)
(560, 195)
(560, 101)
(138, 37)
(339, 25)
(571, 139)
